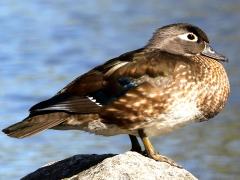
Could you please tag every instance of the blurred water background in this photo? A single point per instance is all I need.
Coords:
(44, 44)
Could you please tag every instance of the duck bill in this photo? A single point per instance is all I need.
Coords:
(209, 52)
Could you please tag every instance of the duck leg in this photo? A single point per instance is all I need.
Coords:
(135, 144)
(152, 153)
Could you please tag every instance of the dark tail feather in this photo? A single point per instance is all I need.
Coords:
(35, 124)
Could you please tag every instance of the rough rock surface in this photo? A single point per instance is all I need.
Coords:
(128, 166)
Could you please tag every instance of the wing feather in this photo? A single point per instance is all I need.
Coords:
(67, 103)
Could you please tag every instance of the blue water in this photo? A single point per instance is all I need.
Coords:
(44, 44)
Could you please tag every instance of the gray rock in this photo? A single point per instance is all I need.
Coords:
(128, 166)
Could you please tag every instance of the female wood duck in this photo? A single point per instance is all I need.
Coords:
(177, 78)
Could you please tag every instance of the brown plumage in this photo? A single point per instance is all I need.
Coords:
(175, 79)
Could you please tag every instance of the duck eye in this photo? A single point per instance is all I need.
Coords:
(188, 37)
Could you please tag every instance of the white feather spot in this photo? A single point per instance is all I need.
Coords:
(94, 100)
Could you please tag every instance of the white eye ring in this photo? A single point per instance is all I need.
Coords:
(188, 37)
